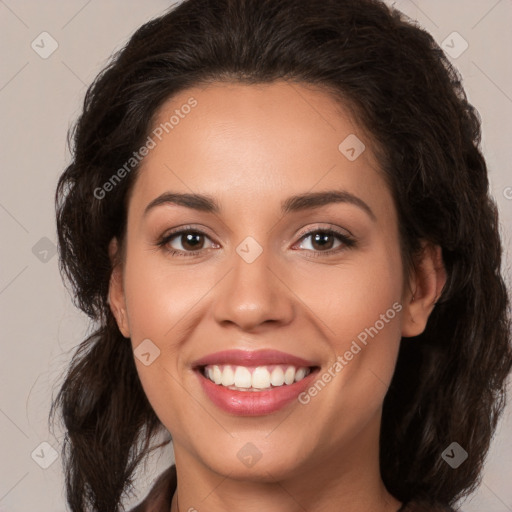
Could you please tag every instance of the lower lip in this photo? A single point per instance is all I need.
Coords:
(254, 403)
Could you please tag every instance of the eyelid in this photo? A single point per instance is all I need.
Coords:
(185, 229)
(181, 230)
(330, 227)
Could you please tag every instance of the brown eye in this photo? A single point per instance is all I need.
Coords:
(323, 240)
(186, 242)
(191, 241)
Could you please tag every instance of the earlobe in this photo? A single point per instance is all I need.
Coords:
(425, 287)
(116, 299)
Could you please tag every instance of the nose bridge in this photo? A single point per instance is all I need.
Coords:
(251, 292)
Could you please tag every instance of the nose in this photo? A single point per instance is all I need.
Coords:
(254, 294)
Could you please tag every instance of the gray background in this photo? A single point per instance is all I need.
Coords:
(40, 98)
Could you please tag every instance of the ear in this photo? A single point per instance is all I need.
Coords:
(424, 288)
(116, 298)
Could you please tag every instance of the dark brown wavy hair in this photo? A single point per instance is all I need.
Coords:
(449, 383)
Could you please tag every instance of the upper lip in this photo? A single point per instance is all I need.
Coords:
(252, 358)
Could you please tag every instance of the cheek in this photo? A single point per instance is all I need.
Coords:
(164, 303)
(353, 295)
(160, 300)
(362, 312)
(159, 296)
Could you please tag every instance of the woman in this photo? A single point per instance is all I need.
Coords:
(278, 215)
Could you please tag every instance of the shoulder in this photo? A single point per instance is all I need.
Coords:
(160, 496)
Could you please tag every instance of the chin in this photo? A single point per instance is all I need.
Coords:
(255, 464)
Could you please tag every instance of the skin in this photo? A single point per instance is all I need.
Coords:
(250, 147)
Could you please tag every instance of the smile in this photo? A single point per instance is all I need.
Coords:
(254, 383)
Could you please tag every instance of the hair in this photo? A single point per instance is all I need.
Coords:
(450, 381)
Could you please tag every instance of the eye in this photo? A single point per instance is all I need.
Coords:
(190, 242)
(322, 241)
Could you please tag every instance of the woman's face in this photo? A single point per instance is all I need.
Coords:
(266, 275)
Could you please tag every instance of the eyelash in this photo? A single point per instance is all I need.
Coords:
(347, 241)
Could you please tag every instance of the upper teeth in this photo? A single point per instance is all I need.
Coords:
(259, 377)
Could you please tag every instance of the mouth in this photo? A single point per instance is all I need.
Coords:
(254, 382)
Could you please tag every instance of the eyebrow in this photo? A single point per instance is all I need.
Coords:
(309, 200)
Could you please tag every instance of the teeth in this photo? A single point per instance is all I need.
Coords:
(217, 375)
(277, 376)
(257, 378)
(242, 377)
(260, 378)
(300, 374)
(228, 376)
(289, 375)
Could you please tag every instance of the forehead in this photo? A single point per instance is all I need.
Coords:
(273, 140)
